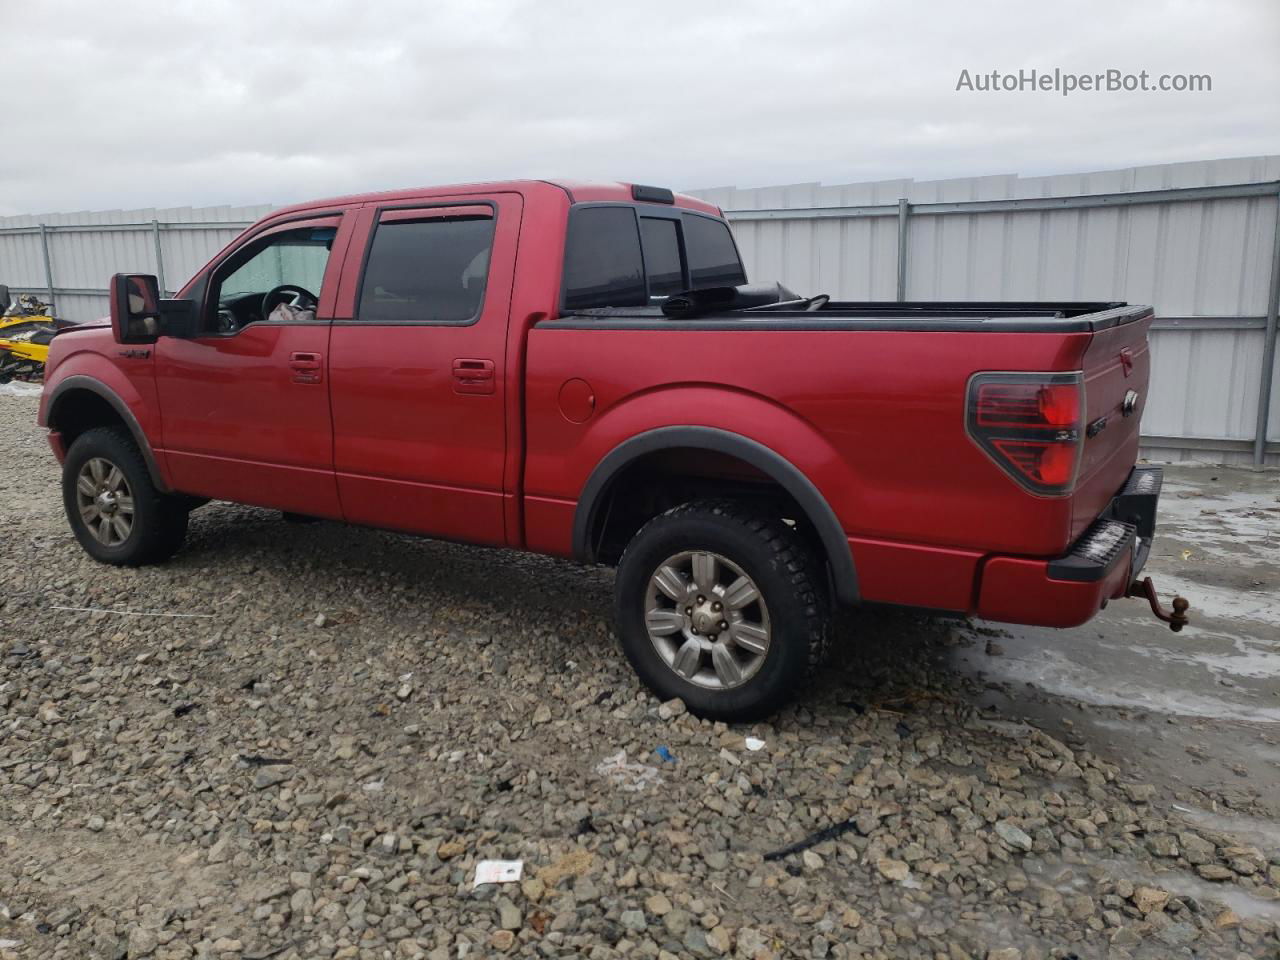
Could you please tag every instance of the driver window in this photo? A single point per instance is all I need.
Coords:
(277, 279)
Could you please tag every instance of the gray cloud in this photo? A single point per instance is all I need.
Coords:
(137, 104)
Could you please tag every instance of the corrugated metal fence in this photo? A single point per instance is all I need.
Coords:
(67, 258)
(1199, 241)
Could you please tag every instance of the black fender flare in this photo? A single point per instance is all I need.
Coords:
(82, 382)
(767, 461)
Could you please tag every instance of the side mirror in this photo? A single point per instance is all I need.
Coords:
(135, 308)
(138, 315)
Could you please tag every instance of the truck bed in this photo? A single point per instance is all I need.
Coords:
(867, 399)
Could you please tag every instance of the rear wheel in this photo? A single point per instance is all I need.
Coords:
(113, 507)
(722, 607)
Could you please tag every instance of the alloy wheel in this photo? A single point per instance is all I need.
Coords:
(105, 501)
(707, 619)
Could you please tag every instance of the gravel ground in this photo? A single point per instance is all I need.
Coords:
(312, 758)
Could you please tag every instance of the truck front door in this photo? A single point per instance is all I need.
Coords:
(245, 406)
(417, 363)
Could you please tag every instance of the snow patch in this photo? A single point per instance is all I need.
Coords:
(18, 388)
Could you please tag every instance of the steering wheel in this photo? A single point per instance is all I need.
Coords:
(302, 298)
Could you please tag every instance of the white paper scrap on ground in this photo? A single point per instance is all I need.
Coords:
(498, 871)
(754, 743)
(632, 777)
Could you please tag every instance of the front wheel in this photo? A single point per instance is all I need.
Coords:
(722, 607)
(114, 509)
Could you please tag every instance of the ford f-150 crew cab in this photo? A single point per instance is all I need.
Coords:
(582, 370)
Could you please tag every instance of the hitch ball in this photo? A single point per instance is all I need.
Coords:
(1177, 619)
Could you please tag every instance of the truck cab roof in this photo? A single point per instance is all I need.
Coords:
(578, 191)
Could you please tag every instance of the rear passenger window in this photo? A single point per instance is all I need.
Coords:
(602, 265)
(713, 259)
(661, 256)
(431, 270)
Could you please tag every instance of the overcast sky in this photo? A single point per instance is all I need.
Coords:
(123, 104)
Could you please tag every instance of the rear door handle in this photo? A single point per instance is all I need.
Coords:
(473, 376)
(305, 366)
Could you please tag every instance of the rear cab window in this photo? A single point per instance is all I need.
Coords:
(713, 258)
(636, 255)
(660, 244)
(603, 265)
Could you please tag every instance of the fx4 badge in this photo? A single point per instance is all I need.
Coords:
(1130, 403)
(135, 354)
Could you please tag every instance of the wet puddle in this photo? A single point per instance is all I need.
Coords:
(1076, 878)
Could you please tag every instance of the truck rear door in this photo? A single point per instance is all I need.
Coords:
(416, 366)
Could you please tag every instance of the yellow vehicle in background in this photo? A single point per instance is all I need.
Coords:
(26, 329)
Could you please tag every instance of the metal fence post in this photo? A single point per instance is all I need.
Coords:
(155, 236)
(1268, 349)
(904, 211)
(48, 265)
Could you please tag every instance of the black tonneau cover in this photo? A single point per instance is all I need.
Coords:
(959, 315)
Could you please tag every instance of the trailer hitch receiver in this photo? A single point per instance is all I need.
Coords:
(1145, 588)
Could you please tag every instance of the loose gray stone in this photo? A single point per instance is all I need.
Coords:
(270, 777)
(1013, 835)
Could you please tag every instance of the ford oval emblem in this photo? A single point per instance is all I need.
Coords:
(1130, 403)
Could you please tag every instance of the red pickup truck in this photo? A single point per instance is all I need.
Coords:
(581, 370)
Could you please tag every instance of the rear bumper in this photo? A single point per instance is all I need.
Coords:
(1069, 590)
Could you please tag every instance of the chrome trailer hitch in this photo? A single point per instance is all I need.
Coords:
(1145, 588)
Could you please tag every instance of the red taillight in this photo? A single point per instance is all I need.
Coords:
(1060, 404)
(1029, 424)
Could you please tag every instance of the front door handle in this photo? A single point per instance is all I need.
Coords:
(305, 366)
(473, 376)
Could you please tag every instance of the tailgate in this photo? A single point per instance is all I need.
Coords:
(1117, 367)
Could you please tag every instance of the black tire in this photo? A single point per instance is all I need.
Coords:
(789, 578)
(159, 522)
